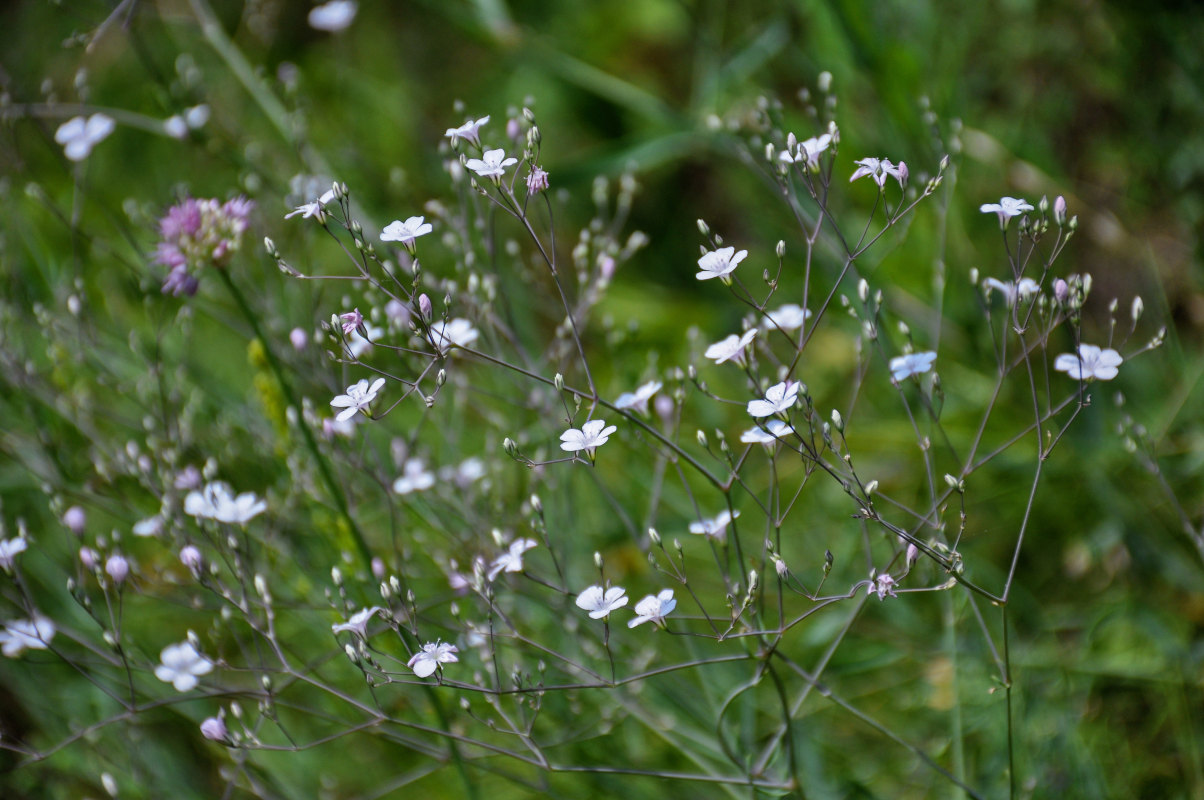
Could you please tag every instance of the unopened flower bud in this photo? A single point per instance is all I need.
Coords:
(1137, 308)
(1061, 290)
(75, 519)
(913, 553)
(190, 557)
(904, 173)
(654, 536)
(702, 438)
(863, 290)
(753, 580)
(1043, 206)
(597, 559)
(870, 488)
(336, 576)
(117, 567)
(558, 382)
(703, 228)
(824, 82)
(781, 249)
(1059, 209)
(424, 306)
(88, 557)
(214, 729)
(837, 420)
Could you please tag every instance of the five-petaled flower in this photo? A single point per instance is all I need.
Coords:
(78, 135)
(600, 602)
(1020, 290)
(1091, 362)
(491, 164)
(591, 436)
(415, 477)
(638, 400)
(719, 263)
(358, 397)
(405, 232)
(878, 169)
(431, 656)
(455, 332)
(470, 132)
(774, 429)
(512, 559)
(653, 608)
(882, 585)
(351, 320)
(182, 665)
(358, 622)
(787, 318)
(26, 634)
(808, 151)
(716, 528)
(9, 549)
(218, 501)
(1006, 208)
(731, 348)
(316, 208)
(779, 399)
(902, 367)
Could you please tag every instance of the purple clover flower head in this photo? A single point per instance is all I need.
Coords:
(198, 233)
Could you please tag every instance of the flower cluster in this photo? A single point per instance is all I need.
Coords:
(199, 233)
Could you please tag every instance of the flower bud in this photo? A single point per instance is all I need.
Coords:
(88, 557)
(75, 519)
(117, 567)
(597, 559)
(424, 306)
(1136, 309)
(1061, 290)
(190, 557)
(654, 536)
(558, 382)
(703, 229)
(1059, 210)
(781, 249)
(702, 438)
(214, 729)
(837, 420)
(870, 488)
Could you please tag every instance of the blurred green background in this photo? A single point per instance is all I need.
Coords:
(1100, 102)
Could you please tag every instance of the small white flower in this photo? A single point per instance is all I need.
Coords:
(175, 127)
(1091, 362)
(719, 263)
(902, 367)
(214, 728)
(512, 559)
(78, 136)
(715, 528)
(774, 429)
(427, 660)
(1021, 290)
(358, 397)
(181, 666)
(469, 131)
(653, 608)
(314, 209)
(600, 602)
(731, 348)
(358, 623)
(117, 567)
(217, 501)
(638, 399)
(26, 634)
(591, 436)
(358, 344)
(883, 585)
(492, 164)
(779, 399)
(455, 332)
(878, 169)
(151, 526)
(787, 318)
(1006, 208)
(405, 232)
(464, 474)
(334, 16)
(197, 116)
(9, 549)
(414, 478)
(808, 151)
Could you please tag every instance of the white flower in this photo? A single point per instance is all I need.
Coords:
(181, 666)
(902, 367)
(774, 429)
(197, 116)
(78, 136)
(719, 263)
(653, 608)
(1006, 208)
(26, 634)
(358, 623)
(600, 602)
(492, 164)
(314, 209)
(878, 169)
(358, 344)
(1091, 362)
(715, 528)
(592, 435)
(788, 318)
(334, 16)
(214, 728)
(466, 473)
(511, 560)
(405, 232)
(469, 131)
(151, 526)
(779, 398)
(808, 150)
(427, 660)
(458, 332)
(9, 549)
(217, 501)
(638, 399)
(414, 477)
(117, 567)
(358, 397)
(175, 127)
(883, 585)
(731, 348)
(1021, 290)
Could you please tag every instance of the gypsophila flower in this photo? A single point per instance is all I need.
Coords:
(358, 397)
(469, 131)
(358, 344)
(117, 567)
(1006, 208)
(182, 665)
(88, 557)
(779, 399)
(26, 634)
(653, 608)
(902, 367)
(1091, 362)
(214, 728)
(463, 475)
(591, 436)
(537, 180)
(198, 233)
(882, 585)
(491, 164)
(774, 429)
(431, 657)
(787, 318)
(512, 559)
(716, 528)
(808, 151)
(350, 320)
(638, 400)
(719, 263)
(334, 16)
(78, 135)
(358, 623)
(151, 526)
(731, 348)
(455, 332)
(1021, 290)
(190, 557)
(217, 501)
(600, 602)
(10, 549)
(75, 519)
(316, 209)
(405, 232)
(175, 127)
(415, 477)
(878, 169)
